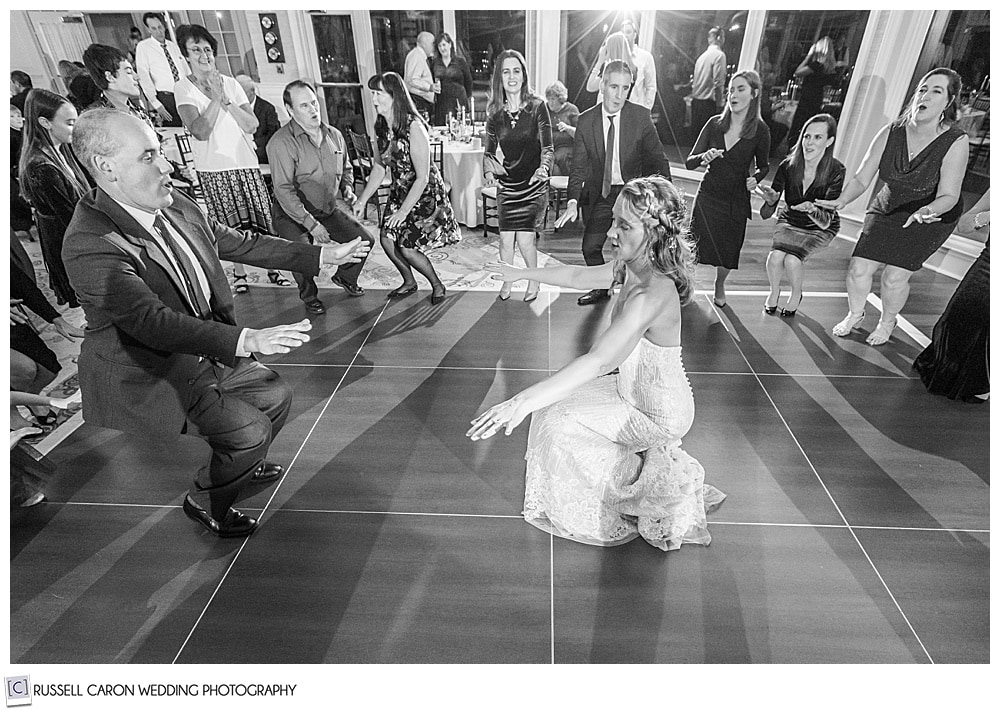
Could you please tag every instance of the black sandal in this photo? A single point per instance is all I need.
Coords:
(240, 284)
(279, 279)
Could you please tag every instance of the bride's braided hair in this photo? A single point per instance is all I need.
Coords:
(661, 208)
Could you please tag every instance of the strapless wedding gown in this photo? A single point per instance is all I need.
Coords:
(605, 464)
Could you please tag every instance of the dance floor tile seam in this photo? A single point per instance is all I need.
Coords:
(499, 369)
(826, 489)
(357, 512)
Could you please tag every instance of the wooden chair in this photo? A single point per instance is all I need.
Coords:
(195, 192)
(558, 193)
(490, 211)
(363, 161)
(437, 157)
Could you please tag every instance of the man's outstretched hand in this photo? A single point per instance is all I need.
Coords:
(353, 251)
(277, 339)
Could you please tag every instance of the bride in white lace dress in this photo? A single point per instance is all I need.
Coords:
(604, 457)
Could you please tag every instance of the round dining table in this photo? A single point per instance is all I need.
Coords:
(463, 170)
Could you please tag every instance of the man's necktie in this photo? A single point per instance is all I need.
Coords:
(609, 157)
(170, 61)
(188, 274)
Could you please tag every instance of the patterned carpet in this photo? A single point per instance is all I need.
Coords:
(460, 267)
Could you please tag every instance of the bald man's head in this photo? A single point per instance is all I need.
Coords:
(425, 40)
(123, 155)
(246, 83)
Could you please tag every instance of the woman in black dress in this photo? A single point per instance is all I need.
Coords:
(809, 173)
(51, 179)
(956, 363)
(817, 71)
(20, 211)
(920, 158)
(452, 80)
(730, 147)
(519, 124)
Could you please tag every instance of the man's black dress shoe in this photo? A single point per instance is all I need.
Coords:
(351, 289)
(315, 306)
(267, 472)
(401, 291)
(592, 297)
(235, 525)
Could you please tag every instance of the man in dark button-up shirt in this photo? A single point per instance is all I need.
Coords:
(313, 187)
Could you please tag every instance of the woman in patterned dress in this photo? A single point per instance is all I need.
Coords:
(920, 159)
(604, 463)
(418, 216)
(215, 109)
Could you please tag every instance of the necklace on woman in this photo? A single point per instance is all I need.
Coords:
(513, 115)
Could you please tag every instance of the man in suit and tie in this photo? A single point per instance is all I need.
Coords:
(162, 353)
(615, 141)
(160, 64)
(267, 117)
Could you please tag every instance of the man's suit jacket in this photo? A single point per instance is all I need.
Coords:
(143, 342)
(640, 151)
(267, 125)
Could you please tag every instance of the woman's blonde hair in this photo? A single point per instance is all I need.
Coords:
(661, 208)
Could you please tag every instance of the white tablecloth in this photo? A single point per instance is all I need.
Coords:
(463, 169)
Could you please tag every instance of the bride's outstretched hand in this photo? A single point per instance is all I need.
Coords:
(501, 271)
(507, 414)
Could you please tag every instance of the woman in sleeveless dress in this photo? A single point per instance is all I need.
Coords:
(733, 147)
(418, 215)
(920, 159)
(604, 463)
(520, 126)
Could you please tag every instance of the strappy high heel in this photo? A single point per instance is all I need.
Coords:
(279, 279)
(240, 284)
(849, 323)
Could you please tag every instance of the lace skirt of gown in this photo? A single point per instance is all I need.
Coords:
(605, 465)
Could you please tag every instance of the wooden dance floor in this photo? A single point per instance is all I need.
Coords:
(856, 528)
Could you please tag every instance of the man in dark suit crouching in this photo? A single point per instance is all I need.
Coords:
(162, 351)
(615, 141)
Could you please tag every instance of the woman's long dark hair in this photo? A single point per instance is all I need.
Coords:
(950, 114)
(36, 142)
(797, 161)
(402, 105)
(752, 116)
(497, 97)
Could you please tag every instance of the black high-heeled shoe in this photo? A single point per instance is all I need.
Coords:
(438, 296)
(770, 310)
(401, 291)
(789, 313)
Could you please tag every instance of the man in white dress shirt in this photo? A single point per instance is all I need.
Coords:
(417, 73)
(644, 91)
(708, 88)
(160, 65)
